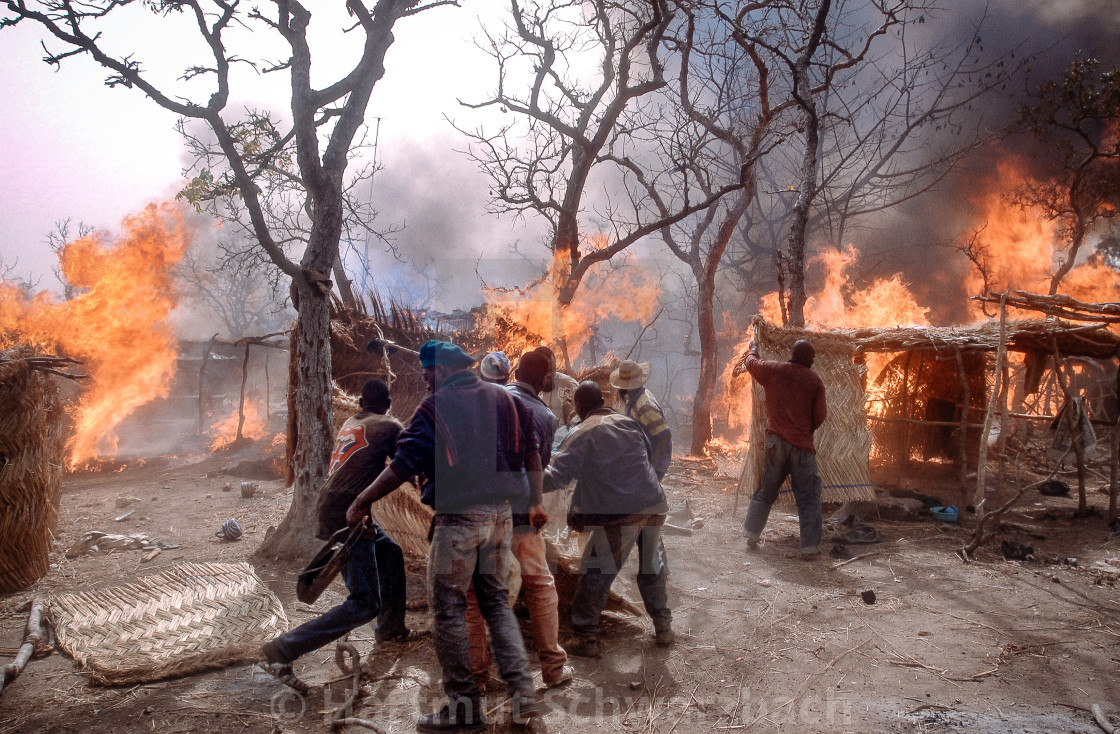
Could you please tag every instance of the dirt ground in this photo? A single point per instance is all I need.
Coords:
(766, 643)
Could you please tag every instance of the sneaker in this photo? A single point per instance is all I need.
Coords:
(404, 637)
(811, 553)
(566, 675)
(583, 647)
(665, 636)
(752, 540)
(444, 720)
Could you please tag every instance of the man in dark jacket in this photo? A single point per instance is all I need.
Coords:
(618, 498)
(795, 408)
(474, 444)
(374, 573)
(538, 587)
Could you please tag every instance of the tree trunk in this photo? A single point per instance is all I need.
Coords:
(706, 323)
(295, 539)
(709, 368)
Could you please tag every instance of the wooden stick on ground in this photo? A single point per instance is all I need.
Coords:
(32, 633)
(1103, 721)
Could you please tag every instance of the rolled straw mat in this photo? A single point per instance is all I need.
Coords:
(189, 618)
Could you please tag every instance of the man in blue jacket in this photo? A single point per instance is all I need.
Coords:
(618, 498)
(474, 445)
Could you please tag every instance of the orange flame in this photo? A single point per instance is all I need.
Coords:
(1018, 248)
(522, 320)
(224, 432)
(886, 302)
(117, 325)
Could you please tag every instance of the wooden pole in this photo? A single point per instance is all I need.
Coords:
(1071, 424)
(241, 401)
(965, 407)
(904, 459)
(202, 382)
(997, 389)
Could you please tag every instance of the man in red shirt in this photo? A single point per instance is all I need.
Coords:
(795, 408)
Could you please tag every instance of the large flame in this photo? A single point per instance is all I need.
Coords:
(838, 305)
(520, 320)
(117, 324)
(1017, 246)
(224, 432)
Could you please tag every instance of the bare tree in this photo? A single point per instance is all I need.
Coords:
(57, 241)
(325, 121)
(1075, 120)
(595, 72)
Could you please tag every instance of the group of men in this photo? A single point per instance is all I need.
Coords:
(482, 453)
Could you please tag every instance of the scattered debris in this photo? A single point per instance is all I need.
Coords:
(124, 500)
(839, 550)
(1017, 551)
(150, 554)
(96, 540)
(867, 596)
(1053, 488)
(248, 489)
(231, 530)
(124, 516)
(860, 534)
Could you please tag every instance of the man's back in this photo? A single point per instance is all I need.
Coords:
(363, 445)
(468, 439)
(795, 399)
(608, 455)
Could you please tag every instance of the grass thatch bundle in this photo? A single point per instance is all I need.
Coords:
(32, 423)
(843, 443)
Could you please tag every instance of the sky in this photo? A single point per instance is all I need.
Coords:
(74, 148)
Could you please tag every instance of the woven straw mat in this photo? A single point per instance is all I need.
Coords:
(189, 618)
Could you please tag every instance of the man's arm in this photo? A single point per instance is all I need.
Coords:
(385, 483)
(820, 409)
(538, 518)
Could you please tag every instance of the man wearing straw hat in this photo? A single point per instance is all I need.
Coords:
(638, 403)
(475, 445)
(795, 408)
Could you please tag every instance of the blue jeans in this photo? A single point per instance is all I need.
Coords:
(782, 460)
(375, 577)
(473, 546)
(603, 557)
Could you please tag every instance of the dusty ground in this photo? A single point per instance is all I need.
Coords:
(767, 643)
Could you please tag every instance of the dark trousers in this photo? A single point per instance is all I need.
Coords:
(375, 577)
(782, 460)
(603, 557)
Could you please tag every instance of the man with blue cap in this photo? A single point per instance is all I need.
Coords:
(473, 443)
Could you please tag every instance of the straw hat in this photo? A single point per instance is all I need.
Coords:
(630, 375)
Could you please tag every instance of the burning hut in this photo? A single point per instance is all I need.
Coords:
(843, 442)
(925, 392)
(31, 460)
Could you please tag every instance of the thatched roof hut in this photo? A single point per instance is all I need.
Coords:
(31, 459)
(843, 442)
(930, 387)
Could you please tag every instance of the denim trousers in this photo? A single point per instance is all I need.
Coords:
(782, 460)
(539, 589)
(603, 557)
(472, 547)
(375, 577)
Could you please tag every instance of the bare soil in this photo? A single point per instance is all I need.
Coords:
(766, 643)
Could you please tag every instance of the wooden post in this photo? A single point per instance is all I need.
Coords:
(1071, 424)
(1114, 464)
(997, 390)
(202, 382)
(241, 402)
(904, 460)
(965, 407)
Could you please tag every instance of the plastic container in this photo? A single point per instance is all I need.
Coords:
(944, 514)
